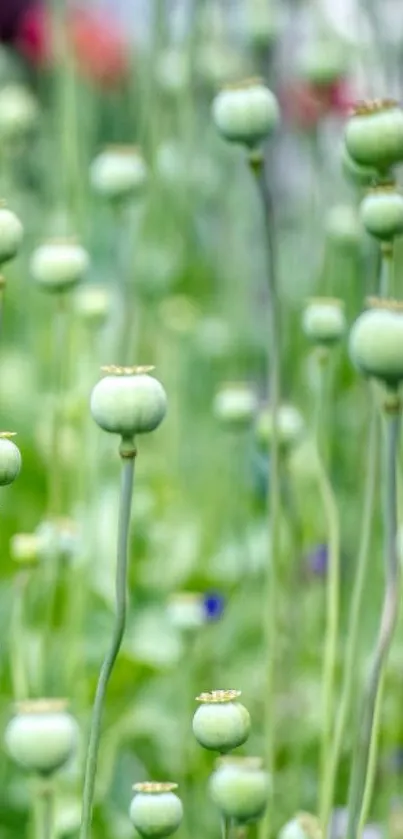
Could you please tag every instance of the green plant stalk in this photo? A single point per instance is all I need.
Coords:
(48, 812)
(386, 285)
(225, 828)
(372, 759)
(389, 616)
(353, 631)
(274, 502)
(17, 659)
(128, 454)
(332, 582)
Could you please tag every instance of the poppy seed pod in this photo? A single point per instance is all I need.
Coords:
(382, 212)
(235, 405)
(322, 62)
(240, 788)
(290, 426)
(374, 134)
(59, 264)
(323, 320)
(18, 112)
(343, 227)
(376, 342)
(10, 459)
(302, 826)
(221, 723)
(155, 810)
(11, 233)
(246, 113)
(93, 303)
(128, 401)
(42, 735)
(118, 172)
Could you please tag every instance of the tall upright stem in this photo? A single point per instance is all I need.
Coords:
(271, 594)
(332, 586)
(353, 631)
(389, 616)
(128, 454)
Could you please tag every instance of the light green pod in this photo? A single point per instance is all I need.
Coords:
(128, 402)
(58, 265)
(240, 789)
(343, 226)
(290, 425)
(118, 172)
(323, 62)
(382, 213)
(10, 459)
(323, 320)
(155, 810)
(302, 826)
(247, 113)
(376, 344)
(221, 723)
(11, 234)
(374, 134)
(235, 405)
(42, 736)
(355, 172)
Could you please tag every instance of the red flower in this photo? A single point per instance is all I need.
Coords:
(97, 45)
(306, 104)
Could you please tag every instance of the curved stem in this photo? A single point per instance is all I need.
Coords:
(274, 504)
(126, 492)
(353, 631)
(367, 730)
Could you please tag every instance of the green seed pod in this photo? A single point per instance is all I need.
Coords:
(25, 549)
(356, 173)
(246, 113)
(323, 320)
(240, 788)
(343, 228)
(374, 134)
(11, 233)
(186, 611)
(382, 213)
(118, 172)
(322, 62)
(128, 401)
(302, 826)
(18, 112)
(42, 736)
(10, 459)
(59, 264)
(93, 304)
(261, 24)
(290, 427)
(235, 405)
(155, 810)
(221, 723)
(376, 342)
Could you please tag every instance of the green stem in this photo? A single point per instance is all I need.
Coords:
(332, 591)
(386, 285)
(128, 454)
(353, 631)
(372, 760)
(390, 609)
(44, 806)
(17, 659)
(274, 503)
(225, 828)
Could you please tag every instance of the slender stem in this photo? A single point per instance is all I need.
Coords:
(372, 759)
(389, 616)
(17, 658)
(353, 632)
(274, 503)
(48, 814)
(225, 828)
(386, 285)
(128, 458)
(332, 579)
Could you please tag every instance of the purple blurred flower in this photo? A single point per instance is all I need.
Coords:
(316, 561)
(213, 604)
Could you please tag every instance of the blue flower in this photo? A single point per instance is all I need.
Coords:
(213, 604)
